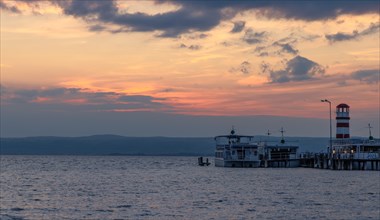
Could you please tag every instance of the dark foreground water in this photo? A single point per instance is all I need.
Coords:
(123, 187)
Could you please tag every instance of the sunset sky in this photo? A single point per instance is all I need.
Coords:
(187, 68)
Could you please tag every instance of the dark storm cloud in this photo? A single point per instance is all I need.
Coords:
(12, 9)
(97, 28)
(137, 98)
(372, 29)
(252, 37)
(194, 47)
(238, 26)
(341, 36)
(265, 67)
(197, 36)
(27, 95)
(202, 16)
(170, 24)
(244, 68)
(297, 69)
(279, 47)
(301, 10)
(261, 51)
(66, 97)
(286, 45)
(367, 76)
(191, 47)
(286, 48)
(263, 54)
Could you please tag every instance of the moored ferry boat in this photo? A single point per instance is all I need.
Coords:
(279, 154)
(236, 151)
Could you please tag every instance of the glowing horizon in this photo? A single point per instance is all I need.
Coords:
(216, 60)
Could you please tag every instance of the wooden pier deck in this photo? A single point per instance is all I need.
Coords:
(338, 162)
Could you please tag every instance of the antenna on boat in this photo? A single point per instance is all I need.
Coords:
(268, 133)
(369, 130)
(282, 135)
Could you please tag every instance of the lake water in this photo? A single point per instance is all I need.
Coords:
(126, 187)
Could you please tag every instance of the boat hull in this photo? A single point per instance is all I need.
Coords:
(236, 163)
(281, 163)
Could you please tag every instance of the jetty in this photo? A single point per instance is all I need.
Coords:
(343, 152)
(352, 154)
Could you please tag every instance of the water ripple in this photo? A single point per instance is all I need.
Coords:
(78, 187)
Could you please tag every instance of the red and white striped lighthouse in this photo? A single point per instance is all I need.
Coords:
(342, 121)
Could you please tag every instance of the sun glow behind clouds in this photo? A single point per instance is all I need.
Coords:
(199, 72)
(33, 7)
(148, 7)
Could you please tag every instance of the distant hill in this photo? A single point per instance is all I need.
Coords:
(120, 145)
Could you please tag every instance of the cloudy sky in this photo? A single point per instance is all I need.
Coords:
(187, 68)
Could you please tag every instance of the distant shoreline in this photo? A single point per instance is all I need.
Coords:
(114, 145)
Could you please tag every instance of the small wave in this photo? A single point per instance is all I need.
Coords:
(10, 217)
(17, 209)
(123, 206)
(146, 213)
(104, 210)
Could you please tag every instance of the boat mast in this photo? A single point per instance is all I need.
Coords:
(282, 135)
(369, 130)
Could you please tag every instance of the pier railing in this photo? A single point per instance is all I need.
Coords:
(356, 141)
(356, 156)
(343, 156)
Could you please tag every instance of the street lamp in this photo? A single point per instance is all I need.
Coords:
(325, 100)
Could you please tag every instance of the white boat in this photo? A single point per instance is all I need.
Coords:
(279, 154)
(236, 151)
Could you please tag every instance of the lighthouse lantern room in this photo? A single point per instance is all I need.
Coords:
(342, 121)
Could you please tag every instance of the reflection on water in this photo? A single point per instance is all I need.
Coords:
(125, 187)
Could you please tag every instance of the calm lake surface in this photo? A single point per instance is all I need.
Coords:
(126, 187)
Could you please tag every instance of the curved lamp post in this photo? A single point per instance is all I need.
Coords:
(325, 100)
